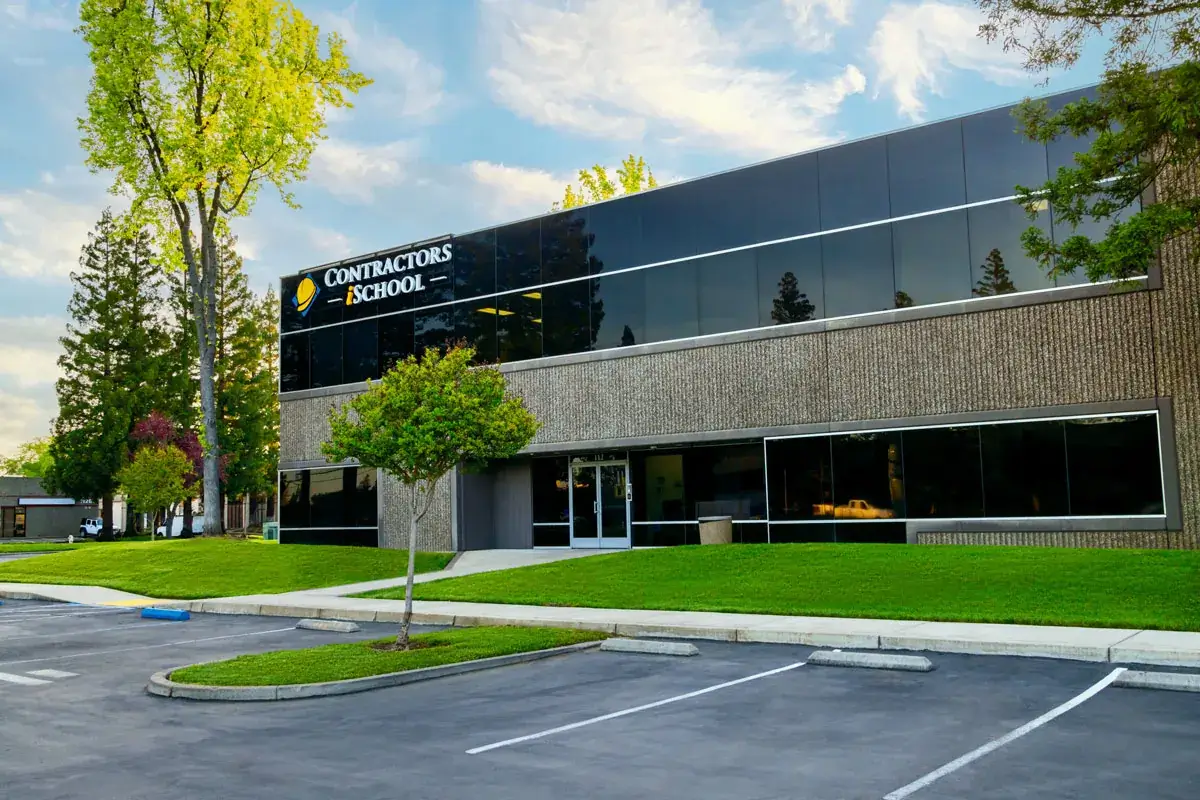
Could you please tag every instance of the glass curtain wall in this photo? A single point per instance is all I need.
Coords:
(338, 505)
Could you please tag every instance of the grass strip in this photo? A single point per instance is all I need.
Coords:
(1158, 589)
(336, 662)
(197, 568)
(34, 547)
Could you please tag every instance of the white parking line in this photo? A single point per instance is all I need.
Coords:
(996, 744)
(53, 673)
(628, 711)
(143, 647)
(133, 627)
(21, 679)
(89, 613)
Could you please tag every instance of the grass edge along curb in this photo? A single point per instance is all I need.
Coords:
(161, 684)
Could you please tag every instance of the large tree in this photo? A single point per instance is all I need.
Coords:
(32, 460)
(1141, 125)
(420, 420)
(113, 362)
(194, 106)
(596, 184)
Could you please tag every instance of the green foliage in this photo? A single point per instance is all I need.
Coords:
(427, 415)
(339, 662)
(32, 460)
(996, 279)
(156, 478)
(595, 185)
(114, 358)
(791, 305)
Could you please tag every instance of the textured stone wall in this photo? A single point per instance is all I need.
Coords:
(1177, 540)
(433, 532)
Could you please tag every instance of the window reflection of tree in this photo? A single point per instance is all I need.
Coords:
(791, 305)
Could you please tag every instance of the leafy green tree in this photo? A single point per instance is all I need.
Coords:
(791, 305)
(32, 460)
(156, 478)
(420, 420)
(112, 362)
(595, 184)
(1141, 126)
(903, 300)
(996, 279)
(195, 106)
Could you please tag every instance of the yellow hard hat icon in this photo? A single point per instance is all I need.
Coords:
(306, 292)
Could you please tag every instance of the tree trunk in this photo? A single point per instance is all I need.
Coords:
(169, 517)
(106, 514)
(188, 514)
(205, 306)
(414, 518)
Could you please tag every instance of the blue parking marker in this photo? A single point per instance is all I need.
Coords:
(174, 614)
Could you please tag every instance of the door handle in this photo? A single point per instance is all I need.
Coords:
(595, 506)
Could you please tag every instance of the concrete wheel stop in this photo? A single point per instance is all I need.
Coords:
(161, 684)
(649, 647)
(328, 625)
(837, 658)
(1163, 681)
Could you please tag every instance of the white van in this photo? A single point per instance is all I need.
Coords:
(177, 526)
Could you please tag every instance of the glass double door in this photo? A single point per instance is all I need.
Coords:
(600, 498)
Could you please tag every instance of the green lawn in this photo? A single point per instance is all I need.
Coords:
(1034, 585)
(34, 547)
(335, 662)
(195, 568)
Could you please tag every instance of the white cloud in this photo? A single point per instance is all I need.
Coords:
(354, 171)
(29, 350)
(655, 67)
(516, 191)
(915, 45)
(814, 21)
(406, 85)
(330, 245)
(39, 15)
(23, 417)
(41, 234)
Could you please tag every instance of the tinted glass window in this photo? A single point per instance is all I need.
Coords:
(725, 480)
(519, 326)
(1061, 152)
(438, 280)
(790, 286)
(475, 265)
(345, 537)
(757, 204)
(326, 356)
(290, 318)
(326, 498)
(435, 327)
(858, 271)
(360, 487)
(728, 292)
(998, 261)
(1113, 466)
(360, 351)
(874, 533)
(1024, 470)
(925, 168)
(798, 534)
(566, 314)
(293, 363)
(551, 535)
(475, 324)
(519, 255)
(868, 476)
(668, 224)
(619, 310)
(932, 258)
(854, 184)
(1093, 229)
(658, 488)
(328, 304)
(998, 159)
(293, 499)
(564, 246)
(551, 496)
(800, 479)
(672, 302)
(615, 235)
(750, 532)
(942, 473)
(395, 340)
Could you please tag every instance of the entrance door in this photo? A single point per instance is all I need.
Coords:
(600, 500)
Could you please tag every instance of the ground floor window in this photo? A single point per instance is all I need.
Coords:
(336, 505)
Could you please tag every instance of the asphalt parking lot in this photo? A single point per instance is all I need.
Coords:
(738, 721)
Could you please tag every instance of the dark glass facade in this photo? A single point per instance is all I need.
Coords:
(594, 278)
(338, 505)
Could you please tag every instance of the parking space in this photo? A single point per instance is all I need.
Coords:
(738, 721)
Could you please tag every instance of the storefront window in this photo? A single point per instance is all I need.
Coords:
(1113, 466)
(1024, 470)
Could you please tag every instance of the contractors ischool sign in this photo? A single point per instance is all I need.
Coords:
(403, 271)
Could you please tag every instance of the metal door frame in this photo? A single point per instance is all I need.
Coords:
(599, 542)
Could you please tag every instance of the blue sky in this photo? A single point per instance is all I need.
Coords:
(481, 112)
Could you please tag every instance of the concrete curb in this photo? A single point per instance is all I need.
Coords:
(328, 625)
(161, 684)
(1165, 681)
(649, 647)
(831, 658)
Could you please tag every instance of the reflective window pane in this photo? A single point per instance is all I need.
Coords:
(327, 306)
(925, 168)
(551, 535)
(728, 292)
(854, 183)
(344, 537)
(438, 280)
(668, 224)
(519, 326)
(858, 271)
(672, 302)
(290, 317)
(551, 495)
(750, 532)
(564, 246)
(868, 476)
(434, 328)
(658, 488)
(942, 473)
(1094, 229)
(1061, 152)
(566, 315)
(799, 480)
(1114, 466)
(1024, 469)
(757, 204)
(293, 499)
(665, 535)
(519, 255)
(871, 533)
(998, 158)
(326, 498)
(395, 340)
(725, 480)
(615, 235)
(360, 487)
(998, 261)
(619, 310)
(802, 534)
(325, 359)
(293, 363)
(475, 265)
(790, 286)
(475, 324)
(360, 351)
(932, 259)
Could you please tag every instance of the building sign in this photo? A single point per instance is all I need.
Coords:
(369, 281)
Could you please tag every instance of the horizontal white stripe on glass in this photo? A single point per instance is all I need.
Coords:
(536, 524)
(697, 522)
(851, 521)
(938, 425)
(338, 528)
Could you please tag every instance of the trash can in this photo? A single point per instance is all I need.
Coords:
(716, 530)
(270, 531)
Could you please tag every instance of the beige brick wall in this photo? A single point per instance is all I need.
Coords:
(1107, 539)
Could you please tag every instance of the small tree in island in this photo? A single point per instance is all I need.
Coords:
(156, 478)
(424, 417)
